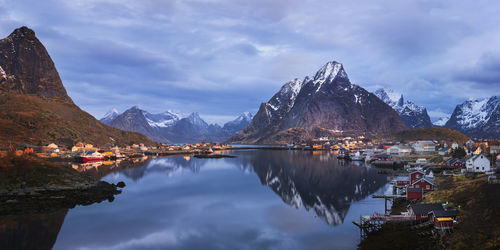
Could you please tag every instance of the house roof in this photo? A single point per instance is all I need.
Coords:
(425, 178)
(413, 190)
(424, 209)
(417, 171)
(445, 213)
(402, 178)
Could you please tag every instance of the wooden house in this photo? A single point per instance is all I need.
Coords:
(415, 175)
(443, 219)
(414, 193)
(402, 181)
(425, 183)
(478, 164)
(421, 211)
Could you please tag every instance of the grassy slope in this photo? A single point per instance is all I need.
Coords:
(433, 133)
(479, 217)
(32, 120)
(479, 211)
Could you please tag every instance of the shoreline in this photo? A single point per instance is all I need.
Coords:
(31, 185)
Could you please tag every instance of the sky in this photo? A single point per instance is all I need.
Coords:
(224, 57)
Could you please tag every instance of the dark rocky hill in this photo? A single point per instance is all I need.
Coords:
(34, 106)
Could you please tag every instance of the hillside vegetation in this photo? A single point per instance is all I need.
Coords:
(432, 133)
(28, 119)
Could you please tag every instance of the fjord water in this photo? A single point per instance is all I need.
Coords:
(259, 200)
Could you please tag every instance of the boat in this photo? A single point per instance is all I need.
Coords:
(357, 157)
(91, 157)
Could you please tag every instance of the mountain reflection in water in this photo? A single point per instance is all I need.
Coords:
(186, 203)
(316, 182)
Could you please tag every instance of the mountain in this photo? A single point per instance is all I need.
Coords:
(109, 116)
(236, 125)
(172, 127)
(477, 118)
(413, 116)
(442, 121)
(323, 105)
(34, 105)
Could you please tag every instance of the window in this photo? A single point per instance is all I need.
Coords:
(428, 186)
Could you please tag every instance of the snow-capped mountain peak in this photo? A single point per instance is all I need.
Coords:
(475, 112)
(389, 96)
(109, 116)
(195, 119)
(442, 121)
(413, 115)
(163, 120)
(327, 73)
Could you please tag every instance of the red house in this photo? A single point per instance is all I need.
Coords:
(415, 175)
(421, 211)
(425, 183)
(414, 193)
(443, 219)
(456, 163)
(402, 181)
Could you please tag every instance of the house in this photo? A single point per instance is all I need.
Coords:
(443, 219)
(454, 145)
(455, 163)
(416, 175)
(477, 164)
(425, 183)
(423, 147)
(470, 144)
(421, 211)
(52, 146)
(414, 193)
(443, 151)
(421, 161)
(402, 181)
(399, 150)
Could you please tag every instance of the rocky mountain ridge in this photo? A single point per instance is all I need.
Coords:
(173, 127)
(322, 105)
(479, 118)
(413, 115)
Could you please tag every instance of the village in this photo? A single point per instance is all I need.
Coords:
(413, 166)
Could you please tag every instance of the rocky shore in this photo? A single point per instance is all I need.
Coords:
(31, 185)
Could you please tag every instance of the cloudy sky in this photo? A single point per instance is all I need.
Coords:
(223, 57)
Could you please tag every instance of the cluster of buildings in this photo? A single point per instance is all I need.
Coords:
(86, 149)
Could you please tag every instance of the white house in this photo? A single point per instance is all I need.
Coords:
(399, 150)
(477, 164)
(424, 146)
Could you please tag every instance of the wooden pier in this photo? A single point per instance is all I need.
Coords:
(388, 197)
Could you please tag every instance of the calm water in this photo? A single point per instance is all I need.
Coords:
(259, 200)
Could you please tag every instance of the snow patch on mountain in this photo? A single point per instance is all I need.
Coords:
(413, 115)
(475, 112)
(163, 120)
(109, 116)
(2, 73)
(442, 121)
(327, 73)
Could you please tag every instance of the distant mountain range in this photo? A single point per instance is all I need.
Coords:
(441, 121)
(478, 118)
(34, 106)
(413, 116)
(172, 127)
(323, 105)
